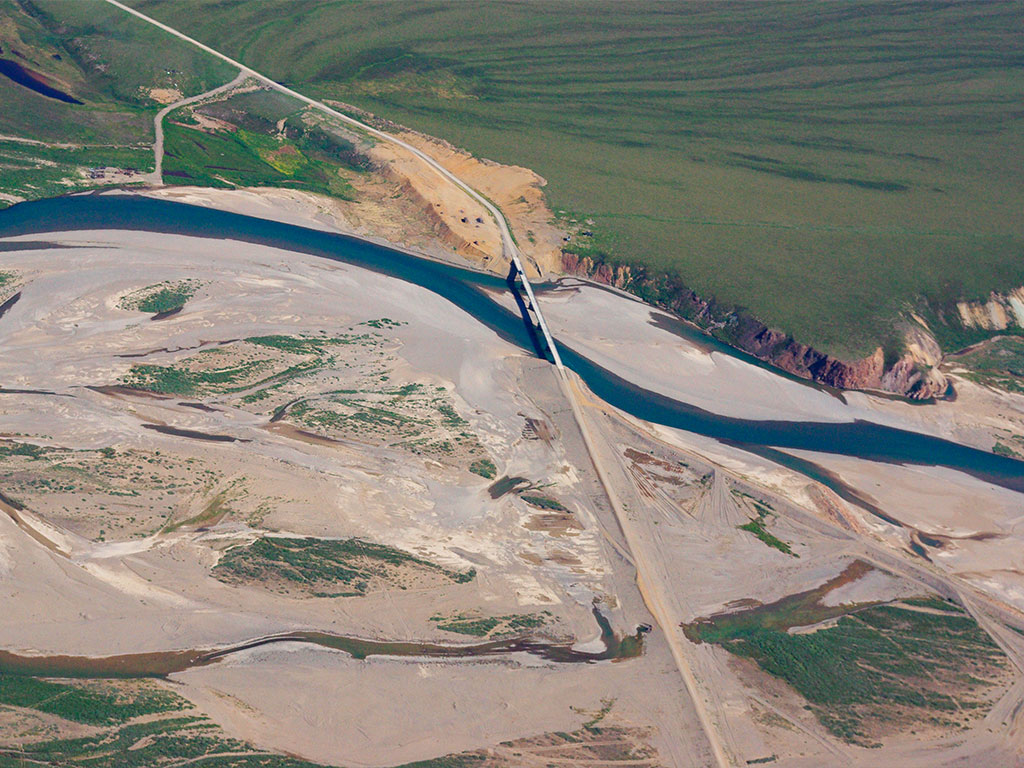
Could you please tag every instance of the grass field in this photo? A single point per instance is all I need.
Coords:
(252, 154)
(866, 669)
(822, 164)
(163, 297)
(997, 363)
(138, 724)
(105, 59)
(327, 567)
(478, 625)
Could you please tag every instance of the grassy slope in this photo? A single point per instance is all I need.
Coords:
(103, 57)
(819, 163)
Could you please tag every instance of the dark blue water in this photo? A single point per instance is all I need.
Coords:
(26, 77)
(463, 288)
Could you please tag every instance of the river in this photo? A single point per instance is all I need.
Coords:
(862, 439)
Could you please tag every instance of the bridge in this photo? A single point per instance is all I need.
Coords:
(519, 284)
(508, 244)
(647, 580)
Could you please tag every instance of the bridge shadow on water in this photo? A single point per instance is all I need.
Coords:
(472, 292)
(536, 339)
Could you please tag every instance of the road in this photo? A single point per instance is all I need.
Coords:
(157, 177)
(650, 586)
(509, 246)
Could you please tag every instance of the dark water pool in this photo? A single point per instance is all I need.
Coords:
(12, 70)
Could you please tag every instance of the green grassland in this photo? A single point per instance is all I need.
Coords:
(485, 468)
(34, 171)
(88, 703)
(141, 726)
(105, 59)
(240, 366)
(996, 363)
(877, 667)
(244, 158)
(822, 164)
(758, 524)
(490, 626)
(543, 502)
(163, 297)
(416, 418)
(326, 567)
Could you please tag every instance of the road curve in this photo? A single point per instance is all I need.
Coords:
(508, 243)
(649, 587)
(157, 176)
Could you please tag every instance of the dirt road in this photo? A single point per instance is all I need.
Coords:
(157, 177)
(649, 579)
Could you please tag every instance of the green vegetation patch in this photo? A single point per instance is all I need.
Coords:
(491, 626)
(877, 668)
(246, 158)
(15, 448)
(484, 467)
(161, 298)
(1005, 450)
(543, 502)
(88, 702)
(102, 58)
(164, 742)
(327, 567)
(803, 168)
(94, 493)
(996, 363)
(153, 728)
(758, 525)
(170, 380)
(413, 417)
(241, 365)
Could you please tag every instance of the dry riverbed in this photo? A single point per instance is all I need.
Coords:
(229, 441)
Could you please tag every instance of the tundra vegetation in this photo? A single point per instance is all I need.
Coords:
(328, 567)
(758, 524)
(781, 157)
(853, 158)
(164, 297)
(995, 363)
(103, 58)
(867, 669)
(123, 492)
(491, 626)
(140, 724)
(256, 364)
(258, 139)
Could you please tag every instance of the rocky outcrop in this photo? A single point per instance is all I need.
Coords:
(914, 373)
(583, 266)
(1000, 312)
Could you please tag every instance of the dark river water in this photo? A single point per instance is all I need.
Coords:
(463, 288)
(163, 663)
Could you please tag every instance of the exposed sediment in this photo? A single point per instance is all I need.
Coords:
(913, 373)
